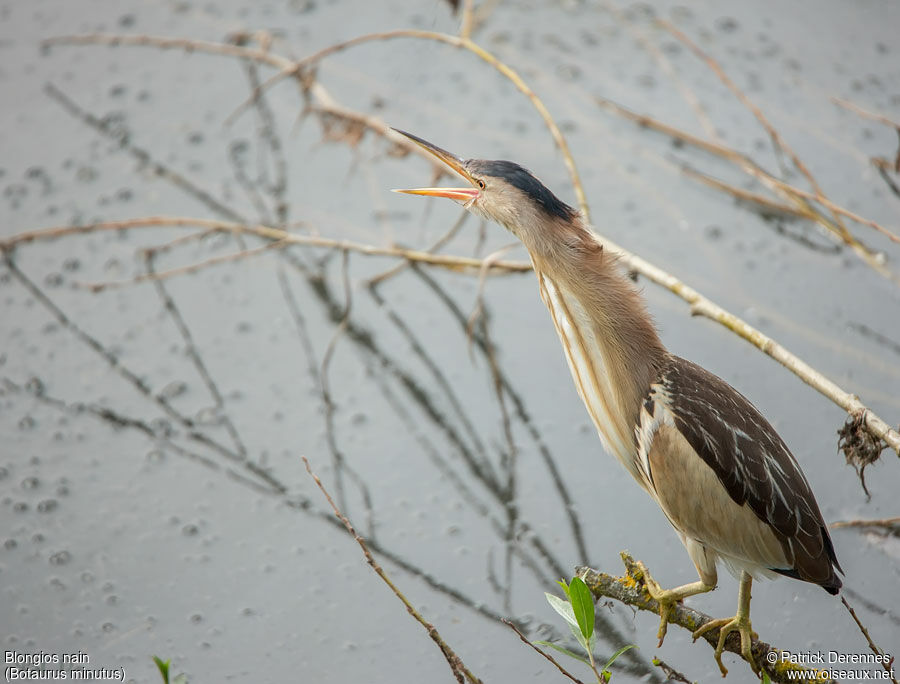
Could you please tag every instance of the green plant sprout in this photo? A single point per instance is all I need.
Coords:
(163, 666)
(577, 609)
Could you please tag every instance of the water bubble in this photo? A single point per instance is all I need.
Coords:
(85, 174)
(35, 385)
(108, 627)
(727, 25)
(30, 483)
(87, 577)
(57, 583)
(71, 264)
(60, 558)
(27, 423)
(47, 505)
(155, 456)
(20, 507)
(161, 427)
(196, 618)
(4, 473)
(10, 544)
(190, 530)
(174, 389)
(112, 600)
(38, 538)
(207, 416)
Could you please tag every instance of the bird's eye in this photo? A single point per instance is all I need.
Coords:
(480, 183)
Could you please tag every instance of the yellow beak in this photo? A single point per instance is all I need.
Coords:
(451, 160)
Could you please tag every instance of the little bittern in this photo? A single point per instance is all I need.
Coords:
(721, 474)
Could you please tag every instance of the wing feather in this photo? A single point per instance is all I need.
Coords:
(753, 464)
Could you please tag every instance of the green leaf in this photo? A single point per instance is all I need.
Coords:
(582, 606)
(765, 679)
(562, 607)
(565, 588)
(562, 649)
(163, 666)
(180, 679)
(579, 637)
(615, 655)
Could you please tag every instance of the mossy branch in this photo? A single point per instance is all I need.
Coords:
(631, 591)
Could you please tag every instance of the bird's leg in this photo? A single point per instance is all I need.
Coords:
(739, 623)
(667, 598)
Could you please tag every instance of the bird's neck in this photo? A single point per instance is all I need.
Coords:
(610, 341)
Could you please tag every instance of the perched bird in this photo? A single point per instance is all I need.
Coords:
(721, 474)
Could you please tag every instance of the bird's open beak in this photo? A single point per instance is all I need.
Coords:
(451, 160)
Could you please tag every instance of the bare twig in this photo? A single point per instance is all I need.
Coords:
(549, 657)
(846, 104)
(265, 232)
(878, 651)
(750, 167)
(630, 590)
(885, 523)
(440, 242)
(672, 675)
(156, 276)
(460, 671)
(465, 30)
(779, 142)
(700, 305)
(290, 68)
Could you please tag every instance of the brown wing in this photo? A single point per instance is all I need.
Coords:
(754, 465)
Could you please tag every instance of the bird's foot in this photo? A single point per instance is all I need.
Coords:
(739, 623)
(666, 599)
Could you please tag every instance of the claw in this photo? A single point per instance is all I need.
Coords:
(739, 623)
(665, 599)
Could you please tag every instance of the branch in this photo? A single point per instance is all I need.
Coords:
(631, 591)
(288, 68)
(460, 671)
(282, 237)
(700, 305)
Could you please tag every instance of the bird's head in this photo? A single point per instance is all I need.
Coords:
(501, 191)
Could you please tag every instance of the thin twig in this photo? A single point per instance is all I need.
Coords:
(289, 68)
(748, 166)
(887, 523)
(672, 675)
(700, 305)
(872, 646)
(549, 657)
(846, 104)
(266, 232)
(465, 30)
(157, 276)
(435, 246)
(779, 142)
(460, 671)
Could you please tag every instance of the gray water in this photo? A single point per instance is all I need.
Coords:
(123, 537)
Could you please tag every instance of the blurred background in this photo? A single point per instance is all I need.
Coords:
(152, 494)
